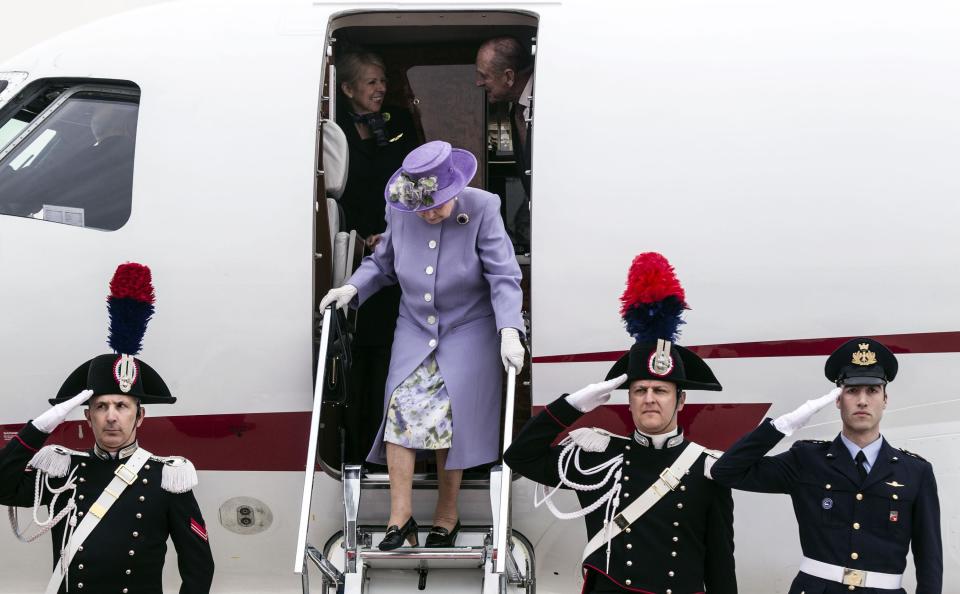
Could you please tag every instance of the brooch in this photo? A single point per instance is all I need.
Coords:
(463, 218)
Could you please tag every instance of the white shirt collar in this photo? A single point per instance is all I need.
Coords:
(670, 439)
(871, 451)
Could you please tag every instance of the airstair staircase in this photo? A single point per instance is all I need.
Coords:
(490, 558)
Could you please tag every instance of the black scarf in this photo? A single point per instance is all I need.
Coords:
(376, 123)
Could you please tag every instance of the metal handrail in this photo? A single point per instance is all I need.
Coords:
(500, 550)
(311, 465)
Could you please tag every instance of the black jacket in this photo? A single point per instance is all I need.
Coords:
(683, 544)
(126, 550)
(896, 507)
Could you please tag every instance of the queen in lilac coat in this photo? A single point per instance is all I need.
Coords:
(460, 286)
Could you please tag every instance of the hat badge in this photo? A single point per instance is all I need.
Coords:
(125, 372)
(661, 362)
(864, 356)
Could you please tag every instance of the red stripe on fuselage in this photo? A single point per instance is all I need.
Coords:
(928, 342)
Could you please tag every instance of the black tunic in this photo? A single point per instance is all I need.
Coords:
(896, 507)
(682, 545)
(126, 550)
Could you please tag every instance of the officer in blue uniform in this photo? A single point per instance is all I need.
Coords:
(860, 503)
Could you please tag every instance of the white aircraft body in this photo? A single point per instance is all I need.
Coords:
(795, 161)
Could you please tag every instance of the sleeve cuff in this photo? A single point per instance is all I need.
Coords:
(31, 437)
(563, 412)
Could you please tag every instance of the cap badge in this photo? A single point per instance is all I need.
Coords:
(125, 372)
(661, 362)
(864, 356)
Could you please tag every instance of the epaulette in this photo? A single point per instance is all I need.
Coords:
(712, 456)
(591, 439)
(178, 475)
(811, 442)
(909, 453)
(55, 460)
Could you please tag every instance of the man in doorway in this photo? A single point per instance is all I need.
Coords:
(656, 521)
(505, 71)
(860, 503)
(112, 507)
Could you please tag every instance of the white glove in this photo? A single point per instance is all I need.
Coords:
(511, 349)
(342, 295)
(49, 420)
(592, 396)
(792, 421)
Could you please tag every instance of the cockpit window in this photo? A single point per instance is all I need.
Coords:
(66, 155)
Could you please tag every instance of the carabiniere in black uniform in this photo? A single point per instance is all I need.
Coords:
(858, 526)
(681, 545)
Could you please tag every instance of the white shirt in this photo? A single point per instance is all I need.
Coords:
(871, 451)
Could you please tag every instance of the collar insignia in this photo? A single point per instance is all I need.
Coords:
(641, 439)
(864, 356)
(675, 440)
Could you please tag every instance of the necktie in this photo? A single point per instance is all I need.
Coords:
(861, 470)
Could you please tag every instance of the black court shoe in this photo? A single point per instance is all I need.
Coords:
(395, 536)
(440, 537)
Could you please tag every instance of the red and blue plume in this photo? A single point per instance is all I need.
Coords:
(130, 306)
(653, 300)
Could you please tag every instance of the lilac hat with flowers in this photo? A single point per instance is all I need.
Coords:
(431, 174)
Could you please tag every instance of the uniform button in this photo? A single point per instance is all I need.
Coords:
(851, 587)
(127, 572)
(629, 546)
(675, 524)
(895, 458)
(142, 498)
(431, 320)
(629, 563)
(432, 244)
(627, 462)
(670, 573)
(859, 496)
(895, 496)
(627, 582)
(679, 506)
(80, 585)
(80, 497)
(83, 480)
(673, 553)
(626, 478)
(433, 342)
(625, 495)
(627, 529)
(80, 548)
(627, 448)
(669, 591)
(856, 525)
(139, 515)
(427, 297)
(676, 538)
(854, 556)
(827, 486)
(130, 552)
(146, 466)
(80, 566)
(136, 534)
(429, 270)
(84, 464)
(683, 487)
(144, 481)
(125, 591)
(80, 513)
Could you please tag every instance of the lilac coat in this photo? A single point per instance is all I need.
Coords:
(461, 286)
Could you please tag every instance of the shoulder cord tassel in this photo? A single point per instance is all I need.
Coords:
(571, 452)
(42, 480)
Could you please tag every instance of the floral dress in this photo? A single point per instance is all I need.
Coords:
(419, 416)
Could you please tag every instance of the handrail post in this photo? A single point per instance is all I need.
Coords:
(311, 465)
(503, 525)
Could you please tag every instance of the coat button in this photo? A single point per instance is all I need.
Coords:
(429, 270)
(827, 486)
(84, 464)
(432, 343)
(125, 591)
(80, 497)
(629, 546)
(676, 538)
(895, 496)
(80, 514)
(142, 498)
(144, 481)
(675, 524)
(670, 573)
(626, 478)
(856, 525)
(80, 566)
(626, 495)
(673, 553)
(83, 480)
(627, 448)
(679, 506)
(683, 487)
(854, 556)
(627, 462)
(427, 297)
(895, 458)
(80, 548)
(669, 591)
(431, 320)
(130, 552)
(859, 496)
(627, 582)
(627, 529)
(432, 244)
(629, 563)
(136, 534)
(146, 467)
(80, 585)
(127, 572)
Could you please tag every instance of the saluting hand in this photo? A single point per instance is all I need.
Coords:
(792, 421)
(51, 419)
(342, 295)
(592, 396)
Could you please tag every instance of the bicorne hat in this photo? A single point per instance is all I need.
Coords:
(652, 305)
(431, 174)
(861, 362)
(130, 307)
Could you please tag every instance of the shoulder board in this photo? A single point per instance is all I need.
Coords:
(810, 442)
(591, 439)
(55, 460)
(178, 475)
(909, 453)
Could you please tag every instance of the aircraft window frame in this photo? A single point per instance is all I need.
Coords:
(120, 92)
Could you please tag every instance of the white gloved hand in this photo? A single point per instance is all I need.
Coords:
(511, 349)
(592, 396)
(51, 419)
(342, 295)
(792, 421)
